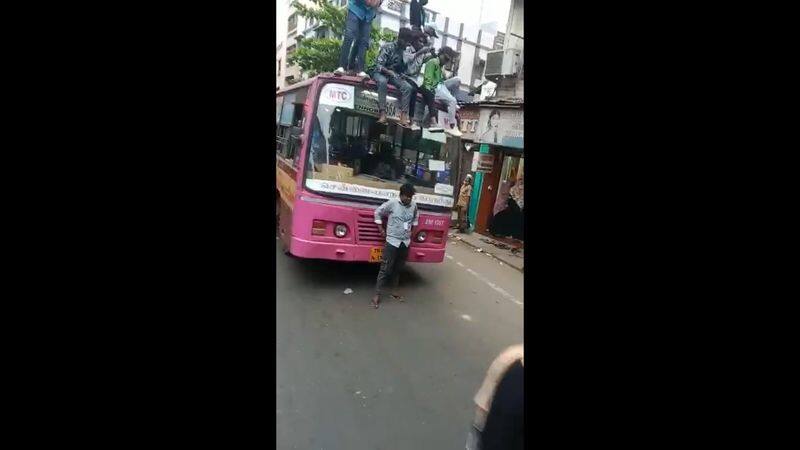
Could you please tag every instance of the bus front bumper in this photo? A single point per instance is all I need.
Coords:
(356, 252)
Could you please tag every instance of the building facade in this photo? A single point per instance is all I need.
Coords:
(493, 146)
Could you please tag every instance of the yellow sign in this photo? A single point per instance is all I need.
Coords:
(375, 254)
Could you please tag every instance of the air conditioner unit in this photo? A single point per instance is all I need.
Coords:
(502, 63)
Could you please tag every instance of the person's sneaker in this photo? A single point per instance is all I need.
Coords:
(363, 74)
(453, 132)
(414, 127)
(339, 71)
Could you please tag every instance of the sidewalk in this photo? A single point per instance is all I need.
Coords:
(495, 248)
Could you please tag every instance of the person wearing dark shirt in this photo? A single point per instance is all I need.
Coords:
(417, 13)
(389, 68)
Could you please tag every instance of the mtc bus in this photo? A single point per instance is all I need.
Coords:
(335, 164)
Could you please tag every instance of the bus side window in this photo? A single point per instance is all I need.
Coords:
(296, 162)
(293, 143)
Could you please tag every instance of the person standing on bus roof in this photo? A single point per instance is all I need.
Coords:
(417, 14)
(402, 216)
(389, 67)
(360, 14)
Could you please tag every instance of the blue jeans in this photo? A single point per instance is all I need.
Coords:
(406, 90)
(356, 35)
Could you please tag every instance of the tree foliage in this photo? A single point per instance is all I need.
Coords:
(317, 55)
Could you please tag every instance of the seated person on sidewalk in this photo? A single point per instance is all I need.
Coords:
(402, 216)
(414, 57)
(433, 80)
(389, 67)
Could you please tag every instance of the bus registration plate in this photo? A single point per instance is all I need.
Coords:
(375, 254)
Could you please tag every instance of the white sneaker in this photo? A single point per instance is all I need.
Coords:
(414, 127)
(339, 71)
(453, 132)
(363, 74)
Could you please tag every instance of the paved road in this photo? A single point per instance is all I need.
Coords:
(401, 377)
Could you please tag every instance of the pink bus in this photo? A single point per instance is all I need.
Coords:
(335, 164)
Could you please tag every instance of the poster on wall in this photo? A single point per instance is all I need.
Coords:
(469, 122)
(499, 126)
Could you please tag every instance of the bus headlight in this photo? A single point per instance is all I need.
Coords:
(421, 236)
(340, 230)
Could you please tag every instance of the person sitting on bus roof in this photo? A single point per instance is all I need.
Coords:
(360, 14)
(433, 80)
(430, 35)
(415, 56)
(389, 66)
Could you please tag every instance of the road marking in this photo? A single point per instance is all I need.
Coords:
(448, 256)
(502, 291)
(459, 264)
(466, 317)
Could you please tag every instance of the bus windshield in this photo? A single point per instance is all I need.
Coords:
(352, 154)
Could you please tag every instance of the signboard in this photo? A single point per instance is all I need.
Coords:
(335, 94)
(338, 187)
(367, 101)
(469, 122)
(482, 162)
(394, 5)
(499, 126)
(441, 188)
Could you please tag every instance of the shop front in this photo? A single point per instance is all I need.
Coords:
(497, 204)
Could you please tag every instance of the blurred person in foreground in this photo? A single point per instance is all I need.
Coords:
(499, 422)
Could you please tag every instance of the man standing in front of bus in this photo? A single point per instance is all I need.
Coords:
(401, 217)
(360, 14)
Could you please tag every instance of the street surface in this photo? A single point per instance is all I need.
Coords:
(401, 377)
